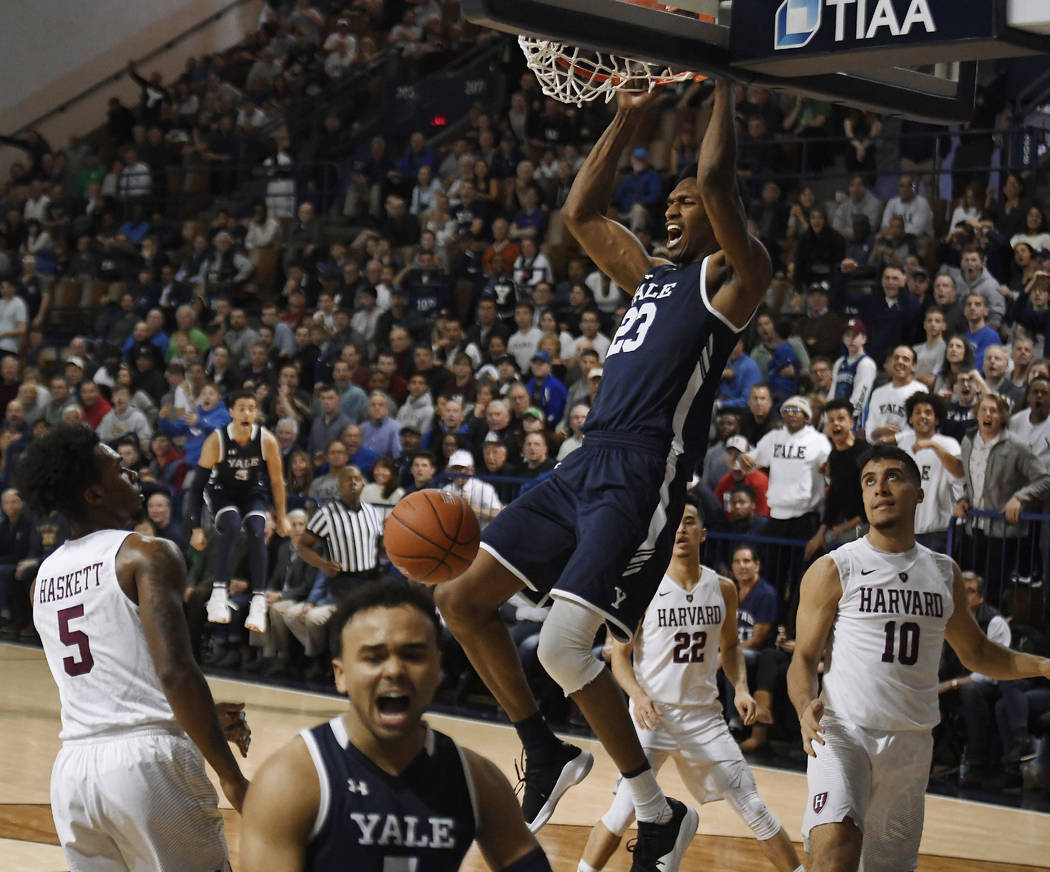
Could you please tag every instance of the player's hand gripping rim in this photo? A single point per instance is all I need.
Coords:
(810, 723)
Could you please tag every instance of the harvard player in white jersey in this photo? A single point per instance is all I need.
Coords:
(128, 789)
(881, 607)
(674, 698)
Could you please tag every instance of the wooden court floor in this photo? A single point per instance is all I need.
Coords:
(960, 836)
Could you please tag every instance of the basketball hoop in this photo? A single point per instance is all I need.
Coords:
(574, 75)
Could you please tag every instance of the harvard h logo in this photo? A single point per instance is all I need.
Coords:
(819, 801)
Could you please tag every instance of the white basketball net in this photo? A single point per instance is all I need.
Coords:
(574, 75)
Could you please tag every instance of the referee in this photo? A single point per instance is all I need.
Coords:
(352, 530)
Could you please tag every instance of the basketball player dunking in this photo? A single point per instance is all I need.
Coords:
(375, 788)
(674, 698)
(597, 534)
(241, 466)
(882, 606)
(128, 789)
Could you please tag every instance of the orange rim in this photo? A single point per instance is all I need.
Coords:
(589, 75)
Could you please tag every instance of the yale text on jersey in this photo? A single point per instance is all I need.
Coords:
(405, 831)
(49, 590)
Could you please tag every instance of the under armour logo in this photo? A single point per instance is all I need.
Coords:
(819, 801)
(620, 597)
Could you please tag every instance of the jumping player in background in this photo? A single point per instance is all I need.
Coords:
(128, 789)
(607, 516)
(883, 606)
(375, 788)
(674, 698)
(240, 465)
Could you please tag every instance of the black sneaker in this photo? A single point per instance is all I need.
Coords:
(544, 785)
(660, 847)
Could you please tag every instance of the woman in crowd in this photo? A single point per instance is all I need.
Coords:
(384, 491)
(958, 359)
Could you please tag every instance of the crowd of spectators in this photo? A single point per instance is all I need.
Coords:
(417, 311)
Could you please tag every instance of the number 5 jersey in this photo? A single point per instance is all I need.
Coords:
(885, 645)
(94, 643)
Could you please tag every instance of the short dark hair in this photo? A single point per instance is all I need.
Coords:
(233, 396)
(693, 500)
(838, 403)
(932, 400)
(54, 470)
(426, 455)
(740, 546)
(386, 593)
(745, 489)
(883, 451)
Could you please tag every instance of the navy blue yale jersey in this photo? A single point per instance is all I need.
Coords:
(241, 471)
(422, 820)
(655, 376)
(600, 530)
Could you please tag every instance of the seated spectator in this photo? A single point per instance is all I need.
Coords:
(756, 612)
(820, 249)
(820, 378)
(384, 492)
(929, 355)
(915, 211)
(760, 416)
(890, 313)
(893, 246)
(423, 470)
(743, 516)
(308, 622)
(481, 495)
(741, 373)
(1030, 424)
(93, 406)
(450, 421)
(326, 487)
(577, 418)
(360, 456)
(638, 192)
(853, 375)
(291, 581)
(820, 329)
(16, 531)
(546, 392)
(859, 202)
(996, 365)
(756, 480)
(979, 333)
(123, 418)
(418, 409)
(536, 454)
(961, 414)
(973, 277)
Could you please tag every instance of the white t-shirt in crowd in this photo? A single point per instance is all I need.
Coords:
(796, 484)
(1035, 435)
(886, 406)
(940, 488)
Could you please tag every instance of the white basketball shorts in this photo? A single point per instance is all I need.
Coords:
(877, 779)
(139, 801)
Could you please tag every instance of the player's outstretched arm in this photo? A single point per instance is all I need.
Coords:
(271, 451)
(733, 664)
(159, 575)
(613, 248)
(977, 652)
(818, 605)
(502, 836)
(195, 495)
(716, 177)
(279, 811)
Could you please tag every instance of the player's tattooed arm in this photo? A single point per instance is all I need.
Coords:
(158, 573)
(818, 605)
(977, 652)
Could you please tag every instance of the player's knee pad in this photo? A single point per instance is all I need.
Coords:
(228, 522)
(621, 812)
(565, 645)
(255, 525)
(756, 814)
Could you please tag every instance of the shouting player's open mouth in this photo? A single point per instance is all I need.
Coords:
(674, 234)
(393, 708)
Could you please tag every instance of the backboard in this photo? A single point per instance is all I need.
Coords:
(914, 58)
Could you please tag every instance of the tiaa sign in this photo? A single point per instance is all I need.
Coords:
(796, 22)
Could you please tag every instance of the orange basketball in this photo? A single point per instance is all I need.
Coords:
(432, 536)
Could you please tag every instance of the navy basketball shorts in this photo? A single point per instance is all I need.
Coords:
(599, 531)
(252, 504)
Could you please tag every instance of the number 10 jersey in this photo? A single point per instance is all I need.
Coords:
(94, 643)
(885, 645)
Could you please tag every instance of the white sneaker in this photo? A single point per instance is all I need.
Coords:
(256, 619)
(218, 607)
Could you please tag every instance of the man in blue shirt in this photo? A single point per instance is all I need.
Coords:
(980, 335)
(546, 392)
(379, 432)
(638, 191)
(741, 374)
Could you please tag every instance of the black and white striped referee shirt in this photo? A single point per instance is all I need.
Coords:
(352, 537)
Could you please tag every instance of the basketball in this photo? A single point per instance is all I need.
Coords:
(432, 536)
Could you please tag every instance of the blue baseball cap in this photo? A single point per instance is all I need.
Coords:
(542, 355)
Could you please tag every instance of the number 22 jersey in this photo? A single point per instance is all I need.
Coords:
(885, 645)
(663, 368)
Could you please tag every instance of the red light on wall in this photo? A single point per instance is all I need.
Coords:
(438, 121)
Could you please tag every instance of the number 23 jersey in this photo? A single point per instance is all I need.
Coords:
(663, 368)
(676, 653)
(885, 645)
